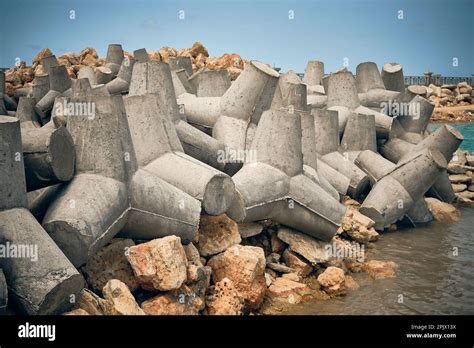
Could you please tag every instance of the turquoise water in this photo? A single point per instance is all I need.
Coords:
(466, 129)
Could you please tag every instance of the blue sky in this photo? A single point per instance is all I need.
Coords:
(430, 35)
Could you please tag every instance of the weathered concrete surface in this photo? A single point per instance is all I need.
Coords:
(392, 76)
(210, 83)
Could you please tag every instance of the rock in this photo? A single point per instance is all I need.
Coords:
(198, 281)
(216, 234)
(78, 311)
(192, 254)
(455, 168)
(311, 249)
(471, 188)
(224, 299)
(88, 51)
(167, 52)
(350, 202)
(442, 212)
(467, 194)
(182, 301)
(333, 281)
(277, 245)
(296, 262)
(362, 219)
(278, 267)
(269, 279)
(249, 229)
(273, 257)
(160, 264)
(284, 289)
(470, 160)
(291, 276)
(459, 187)
(198, 49)
(380, 269)
(351, 283)
(460, 179)
(353, 265)
(90, 60)
(121, 300)
(45, 52)
(91, 303)
(363, 234)
(449, 87)
(245, 267)
(154, 56)
(110, 263)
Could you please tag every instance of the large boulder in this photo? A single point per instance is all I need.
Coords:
(245, 267)
(182, 301)
(333, 281)
(216, 234)
(380, 269)
(160, 264)
(442, 212)
(224, 299)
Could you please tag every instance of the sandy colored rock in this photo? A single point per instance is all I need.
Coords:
(296, 262)
(249, 229)
(288, 290)
(333, 281)
(192, 254)
(78, 311)
(88, 51)
(181, 301)
(111, 263)
(459, 187)
(91, 303)
(224, 299)
(245, 267)
(351, 283)
(198, 281)
(160, 264)
(216, 234)
(198, 49)
(442, 212)
(460, 179)
(311, 249)
(380, 269)
(45, 52)
(121, 300)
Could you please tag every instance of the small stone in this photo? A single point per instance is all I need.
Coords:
(362, 219)
(91, 303)
(192, 254)
(351, 283)
(224, 299)
(460, 179)
(121, 300)
(291, 276)
(182, 301)
(333, 281)
(160, 264)
(442, 212)
(380, 269)
(45, 52)
(245, 267)
(250, 229)
(284, 289)
(110, 263)
(470, 160)
(78, 311)
(280, 268)
(198, 49)
(216, 234)
(273, 257)
(363, 234)
(459, 187)
(297, 263)
(277, 244)
(268, 279)
(467, 194)
(198, 281)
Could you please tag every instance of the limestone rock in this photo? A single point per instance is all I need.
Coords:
(311, 249)
(224, 299)
(160, 264)
(288, 290)
(198, 281)
(351, 283)
(182, 301)
(442, 212)
(297, 263)
(459, 187)
(380, 269)
(216, 234)
(110, 263)
(245, 267)
(249, 229)
(198, 49)
(333, 281)
(91, 303)
(460, 179)
(121, 300)
(45, 52)
(192, 254)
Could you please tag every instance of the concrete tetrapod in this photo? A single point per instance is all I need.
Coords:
(376, 168)
(210, 83)
(392, 77)
(178, 63)
(3, 108)
(49, 156)
(313, 73)
(445, 139)
(59, 82)
(43, 280)
(396, 193)
(110, 193)
(275, 188)
(141, 55)
(114, 58)
(155, 78)
(359, 133)
(26, 113)
(121, 83)
(159, 151)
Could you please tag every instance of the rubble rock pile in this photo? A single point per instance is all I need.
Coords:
(147, 187)
(450, 95)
